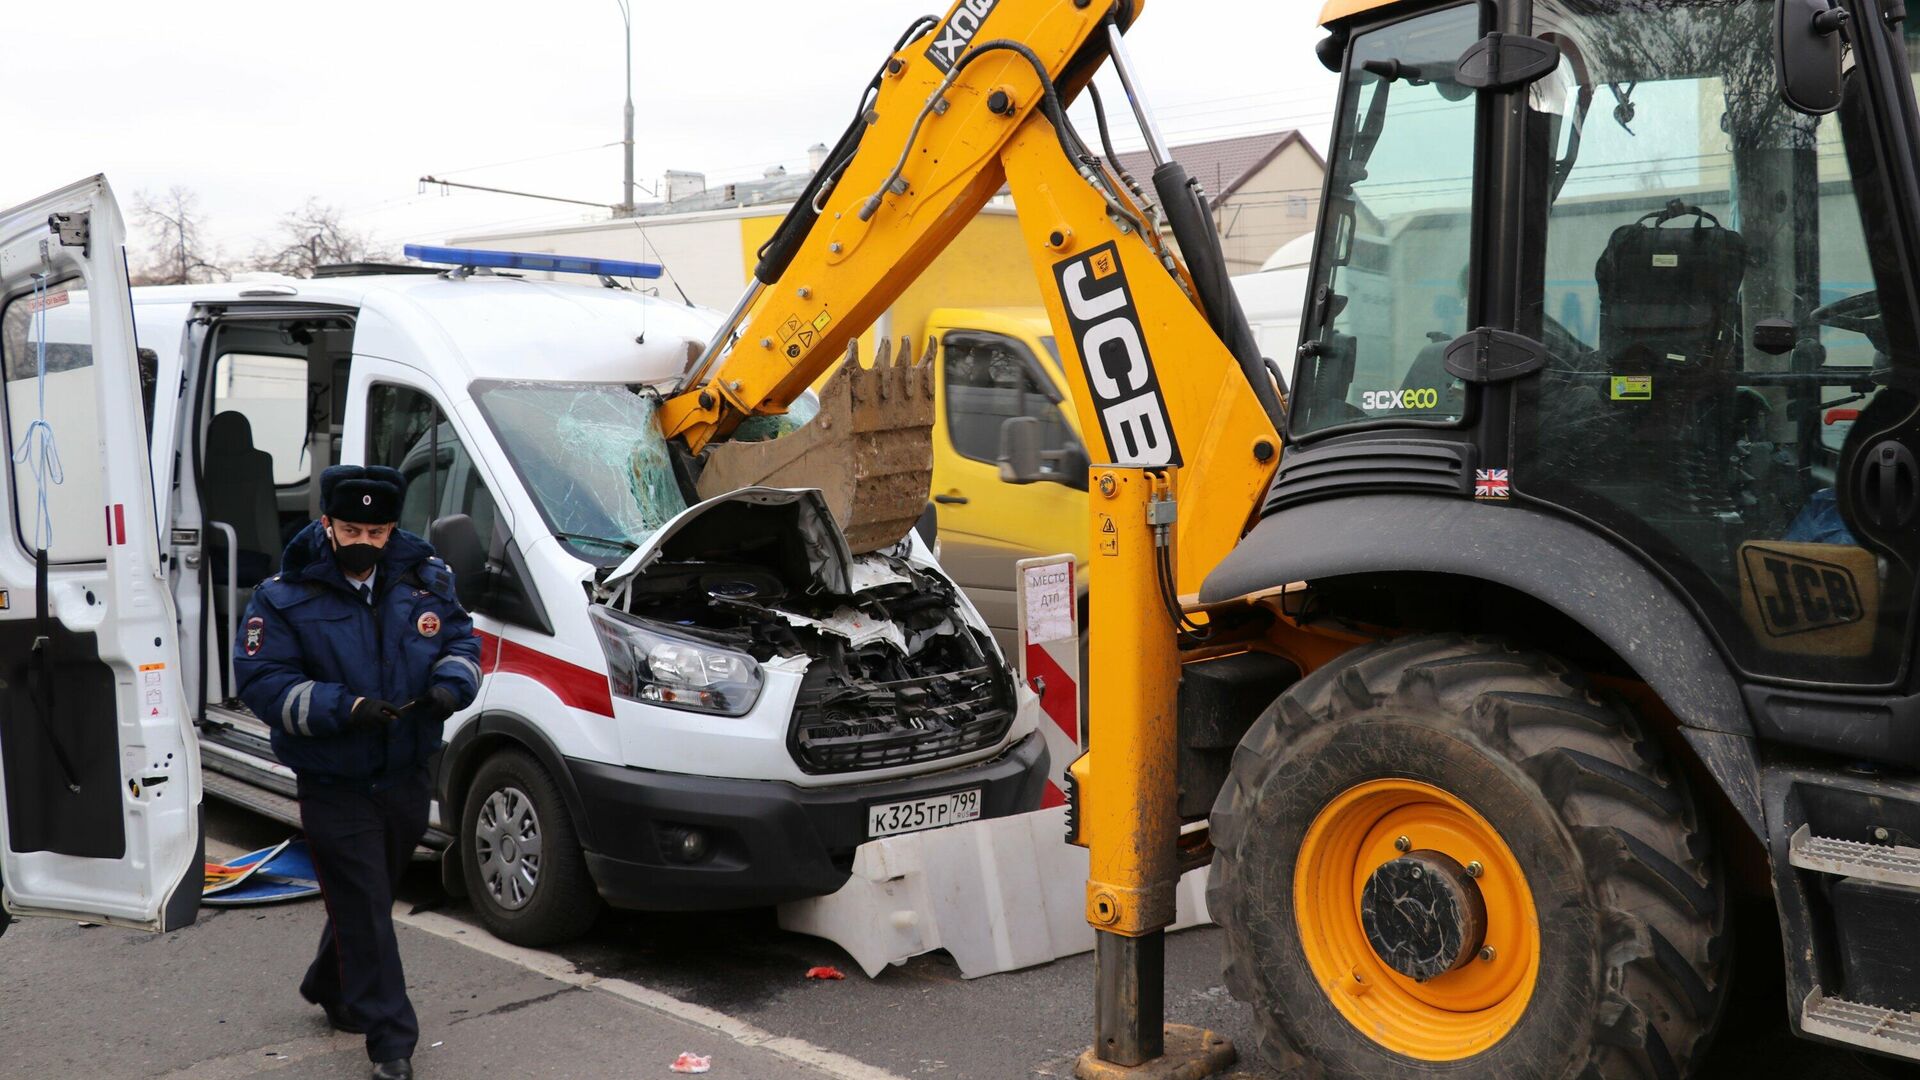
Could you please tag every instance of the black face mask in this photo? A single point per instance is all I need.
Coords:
(356, 558)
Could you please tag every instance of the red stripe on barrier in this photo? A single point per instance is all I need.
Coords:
(578, 687)
(1053, 797)
(119, 523)
(1061, 698)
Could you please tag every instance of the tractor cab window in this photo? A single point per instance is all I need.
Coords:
(1390, 291)
(1717, 350)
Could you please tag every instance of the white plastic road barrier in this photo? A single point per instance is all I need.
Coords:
(999, 895)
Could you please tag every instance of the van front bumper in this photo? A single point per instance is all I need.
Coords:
(766, 842)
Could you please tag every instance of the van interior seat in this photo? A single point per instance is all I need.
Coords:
(237, 479)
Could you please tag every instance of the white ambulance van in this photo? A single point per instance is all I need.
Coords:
(681, 707)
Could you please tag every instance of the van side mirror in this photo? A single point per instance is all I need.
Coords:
(457, 541)
(1020, 450)
(1807, 45)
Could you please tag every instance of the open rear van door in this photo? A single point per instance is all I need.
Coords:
(99, 770)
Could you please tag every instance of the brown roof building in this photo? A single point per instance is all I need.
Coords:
(1265, 189)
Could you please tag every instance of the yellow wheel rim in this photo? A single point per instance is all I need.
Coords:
(1454, 1015)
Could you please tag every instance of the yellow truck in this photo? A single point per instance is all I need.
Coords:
(994, 365)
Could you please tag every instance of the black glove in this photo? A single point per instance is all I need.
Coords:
(371, 712)
(434, 706)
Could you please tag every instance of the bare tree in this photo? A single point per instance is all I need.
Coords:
(311, 237)
(176, 252)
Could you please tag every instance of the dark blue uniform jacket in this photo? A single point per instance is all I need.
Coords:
(309, 646)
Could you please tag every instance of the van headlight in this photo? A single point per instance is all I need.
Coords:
(646, 664)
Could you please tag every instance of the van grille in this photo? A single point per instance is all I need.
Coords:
(851, 725)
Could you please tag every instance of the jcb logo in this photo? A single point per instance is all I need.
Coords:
(1796, 594)
(1113, 352)
(1423, 398)
(957, 33)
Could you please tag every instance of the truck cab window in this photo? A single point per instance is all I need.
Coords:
(990, 379)
(408, 431)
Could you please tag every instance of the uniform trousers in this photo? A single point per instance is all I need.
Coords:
(362, 840)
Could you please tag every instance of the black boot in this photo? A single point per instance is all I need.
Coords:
(397, 1069)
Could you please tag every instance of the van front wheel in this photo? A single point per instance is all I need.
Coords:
(521, 856)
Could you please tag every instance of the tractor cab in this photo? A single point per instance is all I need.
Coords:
(1605, 437)
(1635, 289)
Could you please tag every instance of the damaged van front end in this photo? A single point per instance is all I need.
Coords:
(886, 669)
(777, 698)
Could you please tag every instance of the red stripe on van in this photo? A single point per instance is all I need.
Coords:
(578, 687)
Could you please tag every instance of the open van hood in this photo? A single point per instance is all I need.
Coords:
(892, 670)
(750, 517)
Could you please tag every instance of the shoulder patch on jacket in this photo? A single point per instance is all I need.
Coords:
(436, 577)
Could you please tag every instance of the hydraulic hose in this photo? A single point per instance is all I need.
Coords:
(1187, 214)
(778, 252)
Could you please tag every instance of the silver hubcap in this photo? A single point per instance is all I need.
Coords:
(507, 844)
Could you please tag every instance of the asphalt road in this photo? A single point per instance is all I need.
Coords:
(218, 1001)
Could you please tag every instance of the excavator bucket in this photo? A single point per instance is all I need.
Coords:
(869, 450)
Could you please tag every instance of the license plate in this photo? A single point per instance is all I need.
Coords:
(930, 813)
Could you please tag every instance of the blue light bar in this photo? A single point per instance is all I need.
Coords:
(526, 260)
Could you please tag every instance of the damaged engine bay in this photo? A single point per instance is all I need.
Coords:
(891, 673)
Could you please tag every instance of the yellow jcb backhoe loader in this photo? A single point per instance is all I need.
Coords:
(1582, 599)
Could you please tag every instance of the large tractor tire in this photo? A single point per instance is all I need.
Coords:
(1440, 856)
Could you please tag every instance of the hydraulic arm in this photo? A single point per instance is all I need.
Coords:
(1178, 408)
(960, 109)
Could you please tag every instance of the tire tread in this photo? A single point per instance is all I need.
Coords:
(1638, 832)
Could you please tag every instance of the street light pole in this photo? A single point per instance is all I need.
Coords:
(626, 17)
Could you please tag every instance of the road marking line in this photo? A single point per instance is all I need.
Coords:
(561, 970)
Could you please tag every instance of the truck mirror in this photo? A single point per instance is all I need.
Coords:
(1020, 450)
(1073, 466)
(1807, 46)
(457, 541)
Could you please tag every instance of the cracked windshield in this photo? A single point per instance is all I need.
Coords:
(592, 457)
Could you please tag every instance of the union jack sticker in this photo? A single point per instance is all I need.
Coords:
(1490, 484)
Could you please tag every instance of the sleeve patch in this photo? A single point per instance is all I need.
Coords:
(256, 635)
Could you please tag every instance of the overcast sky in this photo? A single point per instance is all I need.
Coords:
(256, 106)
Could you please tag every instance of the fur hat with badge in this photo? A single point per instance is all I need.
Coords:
(363, 494)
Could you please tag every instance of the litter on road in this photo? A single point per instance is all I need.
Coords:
(692, 1063)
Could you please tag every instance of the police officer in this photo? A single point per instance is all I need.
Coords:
(354, 655)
